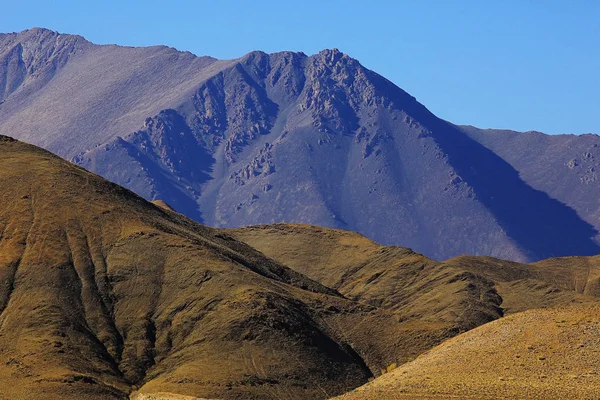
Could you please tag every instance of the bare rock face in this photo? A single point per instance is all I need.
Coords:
(310, 139)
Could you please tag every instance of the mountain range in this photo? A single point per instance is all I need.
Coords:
(287, 137)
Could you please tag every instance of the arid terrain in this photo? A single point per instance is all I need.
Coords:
(107, 292)
(545, 353)
(299, 201)
(538, 354)
(396, 277)
(162, 396)
(103, 293)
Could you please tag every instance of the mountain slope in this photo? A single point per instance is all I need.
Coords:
(437, 300)
(548, 283)
(384, 276)
(102, 292)
(283, 137)
(564, 166)
(394, 278)
(549, 354)
(68, 95)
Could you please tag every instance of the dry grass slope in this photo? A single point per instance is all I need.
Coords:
(102, 293)
(162, 396)
(434, 300)
(538, 354)
(543, 354)
(549, 283)
(364, 270)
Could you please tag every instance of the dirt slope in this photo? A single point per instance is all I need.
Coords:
(537, 354)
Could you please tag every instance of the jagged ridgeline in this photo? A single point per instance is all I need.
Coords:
(288, 137)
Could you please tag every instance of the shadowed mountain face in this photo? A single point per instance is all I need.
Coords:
(288, 137)
(540, 225)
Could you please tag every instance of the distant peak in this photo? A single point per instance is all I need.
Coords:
(329, 56)
(331, 52)
(255, 54)
(37, 29)
(38, 34)
(334, 56)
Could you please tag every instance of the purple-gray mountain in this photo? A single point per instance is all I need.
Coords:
(289, 137)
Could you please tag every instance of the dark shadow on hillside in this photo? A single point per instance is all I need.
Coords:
(542, 226)
(171, 158)
(171, 193)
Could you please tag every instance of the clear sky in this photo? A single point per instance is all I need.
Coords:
(518, 64)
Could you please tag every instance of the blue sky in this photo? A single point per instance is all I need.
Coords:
(518, 64)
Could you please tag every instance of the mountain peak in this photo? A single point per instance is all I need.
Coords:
(44, 33)
(333, 56)
(334, 52)
(37, 29)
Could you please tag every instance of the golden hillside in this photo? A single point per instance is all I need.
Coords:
(434, 300)
(396, 278)
(537, 354)
(102, 293)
